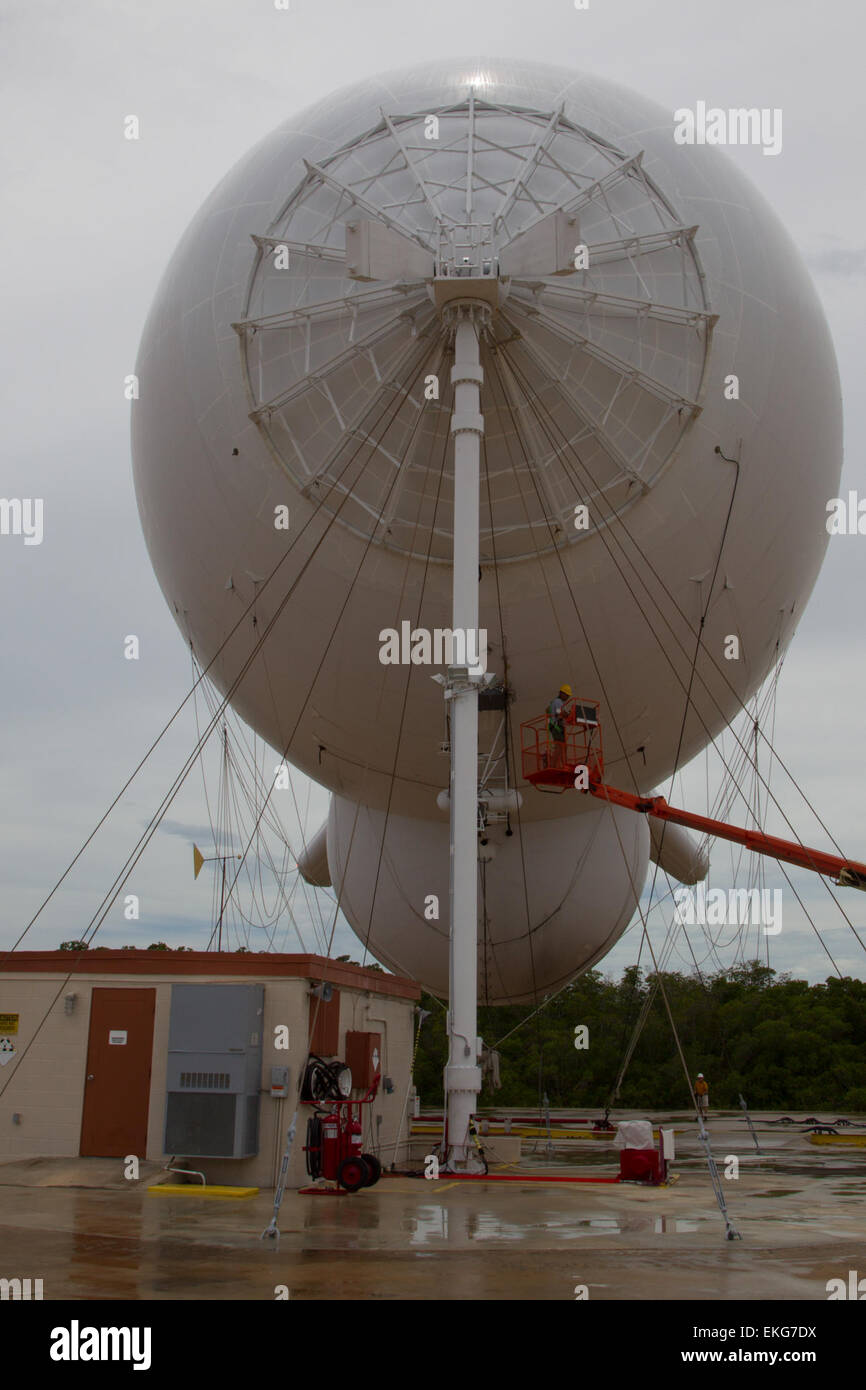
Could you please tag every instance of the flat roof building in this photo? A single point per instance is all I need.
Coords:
(182, 1054)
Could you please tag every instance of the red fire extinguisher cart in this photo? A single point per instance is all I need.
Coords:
(334, 1143)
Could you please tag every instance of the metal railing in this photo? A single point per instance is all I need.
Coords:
(550, 762)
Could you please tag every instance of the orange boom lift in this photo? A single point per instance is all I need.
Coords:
(580, 767)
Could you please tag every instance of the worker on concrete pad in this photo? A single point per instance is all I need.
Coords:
(558, 712)
(702, 1092)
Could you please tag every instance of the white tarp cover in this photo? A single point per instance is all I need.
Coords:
(634, 1134)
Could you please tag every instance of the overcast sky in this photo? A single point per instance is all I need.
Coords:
(90, 220)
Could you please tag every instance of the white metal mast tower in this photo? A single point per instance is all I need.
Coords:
(464, 274)
(463, 1074)
(465, 288)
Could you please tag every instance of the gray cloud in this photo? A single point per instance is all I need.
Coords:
(838, 261)
(201, 834)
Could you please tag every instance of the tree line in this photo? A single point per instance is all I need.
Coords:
(781, 1043)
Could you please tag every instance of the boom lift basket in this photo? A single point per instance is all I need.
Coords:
(549, 763)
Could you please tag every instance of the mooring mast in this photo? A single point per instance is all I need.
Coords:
(466, 290)
(463, 1073)
(467, 274)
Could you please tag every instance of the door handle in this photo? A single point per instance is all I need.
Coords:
(90, 1077)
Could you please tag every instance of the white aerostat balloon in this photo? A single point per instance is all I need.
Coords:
(294, 364)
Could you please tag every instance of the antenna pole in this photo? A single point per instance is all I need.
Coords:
(222, 906)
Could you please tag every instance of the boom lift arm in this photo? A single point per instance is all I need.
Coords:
(552, 759)
(846, 872)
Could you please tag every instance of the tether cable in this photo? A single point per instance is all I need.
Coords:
(603, 536)
(319, 505)
(412, 375)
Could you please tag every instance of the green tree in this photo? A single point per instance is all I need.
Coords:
(781, 1043)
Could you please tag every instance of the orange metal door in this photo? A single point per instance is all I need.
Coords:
(117, 1085)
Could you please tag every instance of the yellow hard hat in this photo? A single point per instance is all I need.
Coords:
(566, 689)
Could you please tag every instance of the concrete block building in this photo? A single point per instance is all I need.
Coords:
(183, 1055)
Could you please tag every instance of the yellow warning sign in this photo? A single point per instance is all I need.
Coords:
(8, 1023)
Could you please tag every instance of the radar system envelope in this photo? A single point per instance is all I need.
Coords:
(654, 394)
(611, 344)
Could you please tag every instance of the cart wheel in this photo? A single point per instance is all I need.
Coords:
(353, 1174)
(313, 1146)
(375, 1168)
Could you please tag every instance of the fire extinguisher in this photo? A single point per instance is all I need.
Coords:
(330, 1145)
(323, 1145)
(313, 1146)
(354, 1139)
(334, 1146)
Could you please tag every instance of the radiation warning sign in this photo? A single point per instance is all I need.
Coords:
(8, 1030)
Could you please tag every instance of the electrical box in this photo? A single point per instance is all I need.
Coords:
(279, 1083)
(363, 1058)
(214, 1071)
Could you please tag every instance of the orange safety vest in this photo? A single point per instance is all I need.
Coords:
(701, 1088)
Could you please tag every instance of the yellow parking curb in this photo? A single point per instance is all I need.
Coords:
(191, 1189)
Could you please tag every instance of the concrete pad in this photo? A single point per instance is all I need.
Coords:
(800, 1211)
(73, 1172)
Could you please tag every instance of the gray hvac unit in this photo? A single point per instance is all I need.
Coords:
(214, 1071)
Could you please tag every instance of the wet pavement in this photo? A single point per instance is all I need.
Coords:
(801, 1212)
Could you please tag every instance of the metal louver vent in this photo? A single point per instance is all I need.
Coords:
(205, 1080)
(214, 1069)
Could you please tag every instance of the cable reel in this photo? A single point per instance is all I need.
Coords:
(326, 1080)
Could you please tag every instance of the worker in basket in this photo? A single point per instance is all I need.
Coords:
(560, 712)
